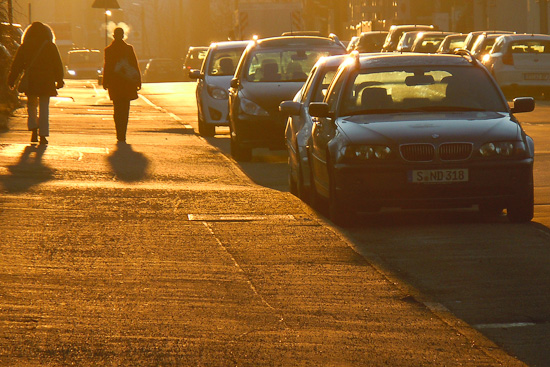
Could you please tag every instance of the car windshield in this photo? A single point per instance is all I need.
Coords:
(282, 65)
(421, 89)
(223, 62)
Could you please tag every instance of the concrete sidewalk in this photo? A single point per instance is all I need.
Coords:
(164, 253)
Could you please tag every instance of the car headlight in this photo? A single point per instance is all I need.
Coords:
(71, 72)
(250, 108)
(366, 152)
(502, 149)
(216, 92)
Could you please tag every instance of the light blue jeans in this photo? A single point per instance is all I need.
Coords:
(36, 120)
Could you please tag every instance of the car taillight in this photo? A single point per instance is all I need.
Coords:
(508, 58)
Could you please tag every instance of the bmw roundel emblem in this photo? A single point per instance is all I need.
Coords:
(435, 136)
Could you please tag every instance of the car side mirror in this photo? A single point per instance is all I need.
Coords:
(319, 109)
(234, 83)
(195, 74)
(523, 104)
(290, 108)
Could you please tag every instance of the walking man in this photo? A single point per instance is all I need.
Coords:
(122, 78)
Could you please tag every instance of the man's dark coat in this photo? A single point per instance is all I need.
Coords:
(119, 87)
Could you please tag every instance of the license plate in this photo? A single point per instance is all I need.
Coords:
(536, 76)
(438, 175)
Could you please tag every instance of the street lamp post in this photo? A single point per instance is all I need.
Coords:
(106, 4)
(108, 13)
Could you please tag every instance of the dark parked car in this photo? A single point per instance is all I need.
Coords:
(163, 70)
(451, 43)
(428, 42)
(396, 31)
(371, 41)
(298, 127)
(471, 38)
(193, 60)
(417, 131)
(270, 71)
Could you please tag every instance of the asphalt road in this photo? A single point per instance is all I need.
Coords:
(167, 252)
(493, 275)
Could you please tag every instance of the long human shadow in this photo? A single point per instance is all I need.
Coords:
(127, 164)
(29, 170)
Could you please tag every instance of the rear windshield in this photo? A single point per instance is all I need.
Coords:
(530, 46)
(224, 62)
(195, 58)
(421, 89)
(283, 65)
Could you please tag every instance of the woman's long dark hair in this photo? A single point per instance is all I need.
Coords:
(36, 34)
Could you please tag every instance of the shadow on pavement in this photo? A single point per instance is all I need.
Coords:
(29, 170)
(127, 164)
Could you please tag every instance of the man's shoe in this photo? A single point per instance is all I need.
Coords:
(43, 140)
(34, 136)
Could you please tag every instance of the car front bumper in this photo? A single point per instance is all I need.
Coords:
(260, 131)
(378, 186)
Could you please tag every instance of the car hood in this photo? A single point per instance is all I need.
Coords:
(476, 127)
(269, 95)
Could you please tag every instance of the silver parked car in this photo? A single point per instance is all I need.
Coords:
(213, 84)
(521, 64)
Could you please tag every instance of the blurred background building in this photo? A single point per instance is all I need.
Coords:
(166, 28)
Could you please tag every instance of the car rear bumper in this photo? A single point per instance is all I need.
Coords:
(391, 186)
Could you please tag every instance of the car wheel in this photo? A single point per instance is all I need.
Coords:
(240, 152)
(339, 213)
(206, 129)
(521, 208)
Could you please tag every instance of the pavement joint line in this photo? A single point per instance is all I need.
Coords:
(237, 217)
(172, 115)
(241, 270)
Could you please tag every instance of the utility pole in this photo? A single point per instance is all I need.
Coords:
(543, 16)
(10, 12)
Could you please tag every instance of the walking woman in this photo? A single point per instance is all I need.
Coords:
(39, 59)
(122, 78)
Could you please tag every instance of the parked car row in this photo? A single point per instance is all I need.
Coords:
(365, 131)
(529, 74)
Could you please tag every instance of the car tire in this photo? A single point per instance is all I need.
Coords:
(339, 213)
(205, 129)
(521, 208)
(239, 152)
